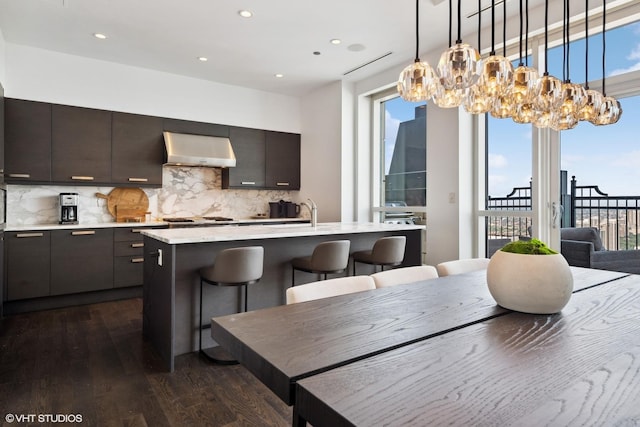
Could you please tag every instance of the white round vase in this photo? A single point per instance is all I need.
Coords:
(540, 284)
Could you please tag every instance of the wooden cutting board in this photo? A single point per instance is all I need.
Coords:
(133, 202)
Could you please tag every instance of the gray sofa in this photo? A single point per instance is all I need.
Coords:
(582, 247)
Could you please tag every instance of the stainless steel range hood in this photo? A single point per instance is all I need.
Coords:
(198, 150)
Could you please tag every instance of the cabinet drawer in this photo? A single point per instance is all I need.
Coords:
(132, 248)
(130, 234)
(128, 271)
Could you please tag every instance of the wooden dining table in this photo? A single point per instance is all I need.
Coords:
(283, 345)
(579, 367)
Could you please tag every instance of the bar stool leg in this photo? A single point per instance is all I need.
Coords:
(217, 353)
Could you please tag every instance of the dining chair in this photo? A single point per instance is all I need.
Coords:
(402, 275)
(329, 288)
(460, 266)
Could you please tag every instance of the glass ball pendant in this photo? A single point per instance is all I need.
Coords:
(447, 98)
(497, 76)
(547, 94)
(524, 84)
(524, 113)
(610, 112)
(503, 108)
(476, 102)
(417, 82)
(591, 108)
(458, 67)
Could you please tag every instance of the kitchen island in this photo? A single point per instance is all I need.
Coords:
(173, 257)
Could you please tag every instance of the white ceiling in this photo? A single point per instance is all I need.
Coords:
(169, 35)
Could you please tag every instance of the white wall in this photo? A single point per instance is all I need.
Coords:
(321, 150)
(3, 59)
(48, 76)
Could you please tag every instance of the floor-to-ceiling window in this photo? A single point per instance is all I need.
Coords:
(401, 183)
(596, 156)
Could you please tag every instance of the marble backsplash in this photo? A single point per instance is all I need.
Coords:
(186, 191)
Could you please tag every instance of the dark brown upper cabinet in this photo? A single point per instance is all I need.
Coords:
(80, 145)
(196, 128)
(249, 148)
(137, 149)
(282, 162)
(27, 145)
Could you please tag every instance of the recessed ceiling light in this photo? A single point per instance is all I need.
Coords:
(245, 13)
(99, 36)
(279, 75)
(202, 58)
(336, 41)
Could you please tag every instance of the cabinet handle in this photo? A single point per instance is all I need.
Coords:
(22, 235)
(83, 233)
(82, 178)
(137, 245)
(138, 180)
(137, 260)
(19, 175)
(248, 183)
(282, 184)
(136, 230)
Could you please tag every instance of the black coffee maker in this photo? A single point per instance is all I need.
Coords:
(283, 209)
(69, 208)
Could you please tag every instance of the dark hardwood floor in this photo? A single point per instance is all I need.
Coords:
(92, 360)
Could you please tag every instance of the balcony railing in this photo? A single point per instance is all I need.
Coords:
(617, 217)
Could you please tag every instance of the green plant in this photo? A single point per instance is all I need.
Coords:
(529, 247)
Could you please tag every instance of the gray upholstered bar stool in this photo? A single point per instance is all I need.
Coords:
(386, 251)
(327, 258)
(232, 267)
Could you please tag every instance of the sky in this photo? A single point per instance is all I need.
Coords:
(607, 156)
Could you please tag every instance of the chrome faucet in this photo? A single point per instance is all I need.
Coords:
(313, 210)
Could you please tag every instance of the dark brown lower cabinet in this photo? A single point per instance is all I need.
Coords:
(128, 261)
(81, 260)
(28, 264)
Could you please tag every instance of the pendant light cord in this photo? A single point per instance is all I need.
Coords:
(459, 39)
(568, 31)
(604, 45)
(546, 36)
(450, 19)
(417, 36)
(493, 28)
(504, 28)
(564, 40)
(480, 23)
(586, 46)
(526, 32)
(520, 39)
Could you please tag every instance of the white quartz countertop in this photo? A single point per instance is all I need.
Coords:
(177, 236)
(25, 227)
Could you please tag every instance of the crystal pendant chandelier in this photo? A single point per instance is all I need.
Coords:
(610, 109)
(592, 98)
(417, 82)
(524, 80)
(458, 65)
(497, 71)
(503, 107)
(547, 93)
(476, 102)
(573, 95)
